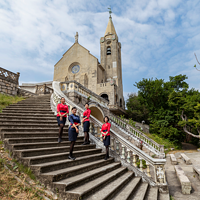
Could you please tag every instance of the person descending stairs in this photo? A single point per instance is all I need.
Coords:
(29, 130)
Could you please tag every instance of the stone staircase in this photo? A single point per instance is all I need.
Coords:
(29, 130)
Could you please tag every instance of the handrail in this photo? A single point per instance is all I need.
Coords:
(81, 90)
(138, 135)
(116, 139)
(9, 76)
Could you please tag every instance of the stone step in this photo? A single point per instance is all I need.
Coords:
(37, 140)
(83, 191)
(80, 179)
(27, 115)
(30, 103)
(27, 118)
(152, 193)
(26, 107)
(141, 192)
(56, 165)
(18, 105)
(83, 151)
(29, 135)
(15, 109)
(31, 111)
(114, 187)
(128, 191)
(28, 125)
(23, 121)
(41, 145)
(35, 101)
(73, 171)
(46, 150)
(31, 130)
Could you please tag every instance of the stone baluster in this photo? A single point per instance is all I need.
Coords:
(123, 152)
(117, 147)
(91, 127)
(161, 148)
(96, 130)
(101, 137)
(148, 169)
(128, 156)
(134, 160)
(141, 165)
(112, 143)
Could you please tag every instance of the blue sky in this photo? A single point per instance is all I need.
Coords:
(158, 37)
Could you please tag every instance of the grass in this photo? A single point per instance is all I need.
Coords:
(10, 188)
(6, 100)
(163, 141)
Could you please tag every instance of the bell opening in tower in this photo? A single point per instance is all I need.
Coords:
(108, 50)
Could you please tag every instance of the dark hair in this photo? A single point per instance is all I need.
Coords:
(87, 104)
(62, 98)
(74, 108)
(106, 117)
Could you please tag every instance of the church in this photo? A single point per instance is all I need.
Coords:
(103, 78)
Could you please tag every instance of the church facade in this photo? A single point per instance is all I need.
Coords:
(103, 78)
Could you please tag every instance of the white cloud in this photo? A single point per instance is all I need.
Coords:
(158, 37)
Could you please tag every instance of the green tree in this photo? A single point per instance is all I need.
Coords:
(135, 110)
(168, 104)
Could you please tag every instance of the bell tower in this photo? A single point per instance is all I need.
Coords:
(111, 58)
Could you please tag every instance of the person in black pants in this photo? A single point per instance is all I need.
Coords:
(86, 123)
(62, 111)
(106, 135)
(73, 130)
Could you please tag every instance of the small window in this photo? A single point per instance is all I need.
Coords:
(108, 66)
(120, 102)
(108, 50)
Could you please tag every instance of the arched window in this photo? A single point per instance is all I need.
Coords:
(108, 66)
(116, 98)
(108, 50)
(105, 96)
(120, 102)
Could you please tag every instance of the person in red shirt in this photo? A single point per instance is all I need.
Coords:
(106, 135)
(62, 110)
(86, 123)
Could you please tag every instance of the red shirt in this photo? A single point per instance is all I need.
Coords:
(62, 108)
(86, 113)
(106, 128)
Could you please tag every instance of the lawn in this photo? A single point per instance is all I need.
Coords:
(6, 100)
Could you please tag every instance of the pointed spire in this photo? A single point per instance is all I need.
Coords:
(110, 27)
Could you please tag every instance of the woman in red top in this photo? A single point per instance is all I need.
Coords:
(86, 123)
(106, 135)
(62, 111)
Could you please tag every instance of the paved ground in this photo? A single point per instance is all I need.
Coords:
(174, 185)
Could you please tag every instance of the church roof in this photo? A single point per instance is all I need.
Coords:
(110, 27)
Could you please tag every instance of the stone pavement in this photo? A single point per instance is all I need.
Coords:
(174, 185)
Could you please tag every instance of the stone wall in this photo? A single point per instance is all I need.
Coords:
(8, 82)
(25, 93)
